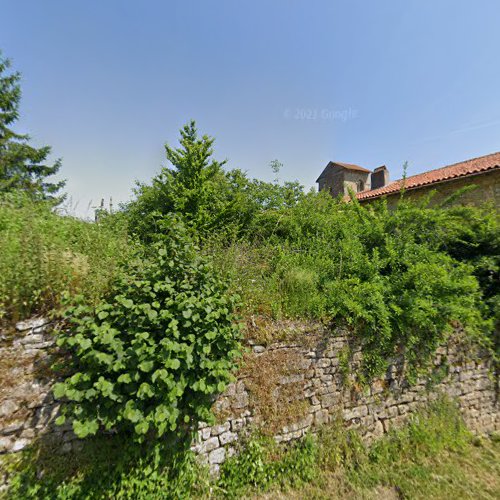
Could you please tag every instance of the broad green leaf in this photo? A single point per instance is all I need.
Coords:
(85, 428)
(142, 427)
(103, 314)
(59, 390)
(146, 366)
(124, 378)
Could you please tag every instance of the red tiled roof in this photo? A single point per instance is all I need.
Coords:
(462, 169)
(348, 166)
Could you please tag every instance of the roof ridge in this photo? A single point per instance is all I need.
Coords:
(350, 166)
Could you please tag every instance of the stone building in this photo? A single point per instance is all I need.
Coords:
(338, 178)
(482, 172)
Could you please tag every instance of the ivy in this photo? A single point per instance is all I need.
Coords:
(150, 358)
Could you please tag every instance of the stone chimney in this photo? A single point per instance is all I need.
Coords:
(379, 177)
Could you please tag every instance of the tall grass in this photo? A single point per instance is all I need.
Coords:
(44, 255)
(433, 456)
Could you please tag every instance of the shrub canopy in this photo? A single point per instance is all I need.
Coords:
(150, 357)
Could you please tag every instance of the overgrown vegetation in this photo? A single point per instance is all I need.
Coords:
(198, 189)
(274, 404)
(433, 456)
(390, 275)
(106, 467)
(151, 356)
(150, 302)
(44, 256)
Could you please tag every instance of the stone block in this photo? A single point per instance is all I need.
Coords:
(240, 401)
(230, 390)
(20, 444)
(32, 339)
(217, 456)
(228, 437)
(219, 429)
(5, 444)
(356, 412)
(329, 400)
(8, 408)
(321, 417)
(209, 445)
(323, 363)
(12, 427)
(31, 323)
(292, 379)
(28, 434)
(203, 434)
(237, 424)
(378, 429)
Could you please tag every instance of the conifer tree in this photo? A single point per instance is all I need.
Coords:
(22, 166)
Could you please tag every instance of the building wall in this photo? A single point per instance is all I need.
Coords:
(333, 181)
(351, 179)
(338, 180)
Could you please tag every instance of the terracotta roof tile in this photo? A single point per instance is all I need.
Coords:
(351, 166)
(462, 169)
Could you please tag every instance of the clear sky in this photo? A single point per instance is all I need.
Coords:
(106, 83)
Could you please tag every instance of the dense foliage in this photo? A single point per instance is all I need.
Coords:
(22, 166)
(44, 256)
(399, 278)
(150, 296)
(150, 328)
(150, 357)
(207, 197)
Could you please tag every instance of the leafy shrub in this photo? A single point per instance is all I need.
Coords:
(395, 277)
(262, 464)
(106, 467)
(152, 355)
(44, 255)
(197, 189)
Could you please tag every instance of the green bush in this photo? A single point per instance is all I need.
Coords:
(106, 467)
(197, 189)
(151, 356)
(44, 255)
(400, 279)
(263, 464)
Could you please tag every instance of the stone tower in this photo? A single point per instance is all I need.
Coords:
(337, 178)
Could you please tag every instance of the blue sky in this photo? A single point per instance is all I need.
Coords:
(107, 83)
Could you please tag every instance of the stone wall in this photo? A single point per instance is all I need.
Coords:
(285, 389)
(27, 407)
(316, 383)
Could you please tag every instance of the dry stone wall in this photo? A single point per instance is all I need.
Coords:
(27, 407)
(285, 389)
(316, 383)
